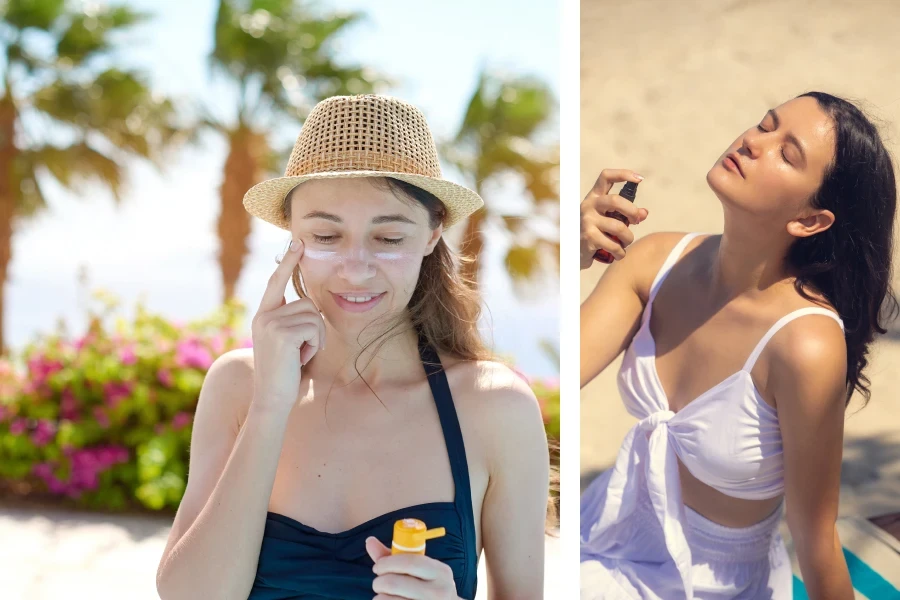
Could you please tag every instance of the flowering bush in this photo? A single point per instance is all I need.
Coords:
(105, 420)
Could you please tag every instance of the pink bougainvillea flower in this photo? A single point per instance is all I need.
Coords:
(127, 355)
(43, 433)
(217, 343)
(18, 426)
(42, 470)
(165, 377)
(101, 416)
(247, 342)
(550, 382)
(116, 391)
(191, 354)
(68, 405)
(181, 419)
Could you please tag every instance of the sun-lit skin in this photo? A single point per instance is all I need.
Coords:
(360, 241)
(783, 159)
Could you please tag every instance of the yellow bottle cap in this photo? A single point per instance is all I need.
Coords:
(410, 536)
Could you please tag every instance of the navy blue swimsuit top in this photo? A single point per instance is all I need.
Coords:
(299, 562)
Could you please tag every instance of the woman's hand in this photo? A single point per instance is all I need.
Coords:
(409, 576)
(279, 331)
(596, 226)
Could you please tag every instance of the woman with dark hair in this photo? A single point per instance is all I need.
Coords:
(742, 351)
(370, 400)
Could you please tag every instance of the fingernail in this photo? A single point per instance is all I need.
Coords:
(295, 244)
(641, 177)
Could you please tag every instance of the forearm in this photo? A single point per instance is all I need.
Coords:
(218, 555)
(824, 570)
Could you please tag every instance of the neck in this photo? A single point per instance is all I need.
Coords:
(385, 359)
(747, 262)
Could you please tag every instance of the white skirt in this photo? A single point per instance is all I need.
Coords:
(726, 562)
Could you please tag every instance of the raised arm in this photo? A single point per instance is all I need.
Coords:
(807, 377)
(611, 315)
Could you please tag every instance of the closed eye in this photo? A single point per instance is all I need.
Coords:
(324, 239)
(760, 127)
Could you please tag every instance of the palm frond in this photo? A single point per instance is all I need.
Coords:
(117, 105)
(75, 165)
(39, 14)
(88, 35)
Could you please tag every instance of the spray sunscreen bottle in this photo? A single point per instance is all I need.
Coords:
(410, 536)
(628, 191)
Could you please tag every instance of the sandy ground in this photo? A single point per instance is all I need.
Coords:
(666, 87)
(51, 554)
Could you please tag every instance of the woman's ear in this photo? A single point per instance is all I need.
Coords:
(435, 236)
(811, 225)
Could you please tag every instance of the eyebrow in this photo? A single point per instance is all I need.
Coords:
(395, 218)
(790, 136)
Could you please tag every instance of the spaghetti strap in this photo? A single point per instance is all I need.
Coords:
(810, 310)
(673, 257)
(456, 450)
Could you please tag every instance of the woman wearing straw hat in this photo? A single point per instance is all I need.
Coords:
(370, 399)
(792, 291)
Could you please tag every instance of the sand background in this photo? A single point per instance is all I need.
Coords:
(665, 88)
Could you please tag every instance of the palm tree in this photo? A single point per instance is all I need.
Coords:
(501, 133)
(278, 56)
(65, 113)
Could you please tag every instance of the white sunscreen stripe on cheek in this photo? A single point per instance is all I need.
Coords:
(326, 255)
(394, 256)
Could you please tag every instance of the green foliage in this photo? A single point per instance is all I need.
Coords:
(282, 53)
(505, 131)
(105, 419)
(80, 119)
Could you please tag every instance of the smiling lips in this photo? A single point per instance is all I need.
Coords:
(357, 301)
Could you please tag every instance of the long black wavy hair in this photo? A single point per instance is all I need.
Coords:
(850, 263)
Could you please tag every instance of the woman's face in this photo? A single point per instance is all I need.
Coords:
(363, 248)
(781, 163)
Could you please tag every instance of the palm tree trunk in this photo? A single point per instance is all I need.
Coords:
(472, 246)
(8, 197)
(242, 169)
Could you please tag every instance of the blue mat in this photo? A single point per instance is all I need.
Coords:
(865, 580)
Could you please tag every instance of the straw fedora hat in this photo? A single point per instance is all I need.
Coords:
(362, 136)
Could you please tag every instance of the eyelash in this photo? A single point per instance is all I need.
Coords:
(328, 239)
(759, 127)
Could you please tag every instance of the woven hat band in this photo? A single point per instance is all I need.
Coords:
(357, 161)
(364, 133)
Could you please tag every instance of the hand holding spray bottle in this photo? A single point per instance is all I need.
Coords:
(628, 191)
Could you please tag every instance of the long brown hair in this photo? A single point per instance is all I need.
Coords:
(445, 306)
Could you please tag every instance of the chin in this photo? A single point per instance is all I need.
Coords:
(717, 182)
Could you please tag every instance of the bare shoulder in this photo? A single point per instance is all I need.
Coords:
(808, 364)
(647, 254)
(489, 387)
(497, 406)
(810, 344)
(228, 386)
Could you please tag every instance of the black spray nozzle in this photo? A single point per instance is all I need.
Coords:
(629, 190)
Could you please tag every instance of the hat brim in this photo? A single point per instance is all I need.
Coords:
(265, 199)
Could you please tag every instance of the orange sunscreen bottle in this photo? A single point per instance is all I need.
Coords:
(410, 536)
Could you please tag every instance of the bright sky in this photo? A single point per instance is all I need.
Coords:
(162, 242)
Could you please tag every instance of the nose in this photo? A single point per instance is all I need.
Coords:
(357, 267)
(751, 144)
